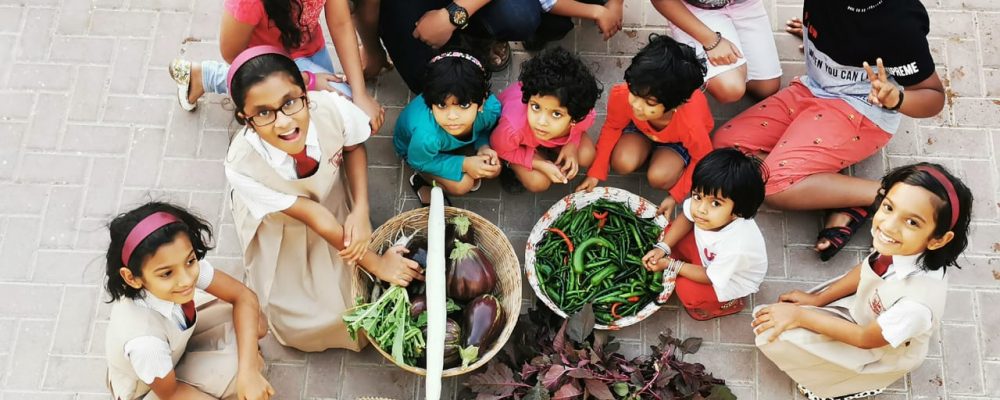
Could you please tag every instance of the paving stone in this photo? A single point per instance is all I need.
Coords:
(287, 380)
(144, 158)
(36, 37)
(989, 321)
(736, 329)
(991, 370)
(128, 65)
(48, 121)
(927, 381)
(138, 110)
(87, 94)
(29, 356)
(962, 365)
(192, 175)
(8, 331)
(367, 381)
(18, 250)
(734, 363)
(981, 178)
(76, 373)
(171, 32)
(121, 23)
(11, 136)
(324, 372)
(38, 76)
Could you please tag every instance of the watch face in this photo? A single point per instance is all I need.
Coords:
(460, 17)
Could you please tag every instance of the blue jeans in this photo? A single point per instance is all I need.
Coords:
(213, 73)
(505, 20)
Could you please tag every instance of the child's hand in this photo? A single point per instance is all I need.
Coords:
(494, 158)
(357, 233)
(667, 206)
(251, 385)
(569, 166)
(374, 110)
(780, 316)
(884, 93)
(552, 171)
(724, 53)
(588, 184)
(479, 166)
(799, 297)
(396, 269)
(652, 260)
(609, 19)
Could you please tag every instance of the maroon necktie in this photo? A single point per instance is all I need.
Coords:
(304, 165)
(881, 265)
(188, 309)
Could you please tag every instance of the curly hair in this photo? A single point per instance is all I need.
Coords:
(557, 72)
(665, 70)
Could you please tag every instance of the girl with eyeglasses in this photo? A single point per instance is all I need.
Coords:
(301, 225)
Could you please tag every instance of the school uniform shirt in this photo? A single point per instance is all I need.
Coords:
(689, 126)
(906, 319)
(735, 258)
(513, 138)
(150, 355)
(262, 200)
(840, 35)
(420, 141)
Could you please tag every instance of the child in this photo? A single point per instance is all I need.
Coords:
(853, 336)
(735, 37)
(293, 25)
(724, 259)
(842, 111)
(158, 340)
(659, 114)
(444, 133)
(300, 224)
(543, 126)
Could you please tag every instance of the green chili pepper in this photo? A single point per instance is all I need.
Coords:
(582, 249)
(601, 275)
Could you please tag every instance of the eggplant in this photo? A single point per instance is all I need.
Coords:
(469, 273)
(452, 344)
(481, 324)
(418, 304)
(460, 228)
(417, 251)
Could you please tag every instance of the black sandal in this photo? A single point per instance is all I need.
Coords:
(504, 56)
(839, 236)
(418, 182)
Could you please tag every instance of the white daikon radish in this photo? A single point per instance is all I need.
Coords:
(436, 301)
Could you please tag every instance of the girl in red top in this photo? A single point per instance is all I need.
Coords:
(659, 113)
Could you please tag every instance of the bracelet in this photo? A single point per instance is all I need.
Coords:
(663, 246)
(311, 85)
(898, 103)
(674, 266)
(718, 39)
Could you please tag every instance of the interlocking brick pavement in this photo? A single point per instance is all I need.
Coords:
(89, 128)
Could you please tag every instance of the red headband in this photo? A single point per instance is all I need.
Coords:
(948, 187)
(148, 225)
(245, 56)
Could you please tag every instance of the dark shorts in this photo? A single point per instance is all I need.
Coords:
(677, 147)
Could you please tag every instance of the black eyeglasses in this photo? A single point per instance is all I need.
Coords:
(291, 107)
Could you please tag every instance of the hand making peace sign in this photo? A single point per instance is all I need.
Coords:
(884, 93)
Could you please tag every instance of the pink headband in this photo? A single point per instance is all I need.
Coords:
(949, 188)
(245, 56)
(457, 54)
(148, 225)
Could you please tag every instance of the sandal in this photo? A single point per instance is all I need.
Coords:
(180, 72)
(839, 236)
(499, 57)
(808, 394)
(418, 182)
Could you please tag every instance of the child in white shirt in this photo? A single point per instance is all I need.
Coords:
(716, 250)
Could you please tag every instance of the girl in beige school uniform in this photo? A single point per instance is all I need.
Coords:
(857, 334)
(160, 344)
(300, 200)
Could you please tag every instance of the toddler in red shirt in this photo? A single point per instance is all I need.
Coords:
(660, 114)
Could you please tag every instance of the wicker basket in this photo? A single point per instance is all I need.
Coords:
(642, 207)
(494, 245)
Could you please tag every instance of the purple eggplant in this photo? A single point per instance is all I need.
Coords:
(481, 324)
(460, 228)
(470, 273)
(418, 304)
(452, 344)
(417, 251)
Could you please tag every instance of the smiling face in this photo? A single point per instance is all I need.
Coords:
(263, 102)
(905, 221)
(455, 118)
(646, 108)
(711, 212)
(171, 273)
(548, 118)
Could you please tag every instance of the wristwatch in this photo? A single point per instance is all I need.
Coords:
(458, 15)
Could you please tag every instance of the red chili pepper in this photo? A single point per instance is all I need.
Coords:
(569, 243)
(614, 310)
(602, 218)
(633, 299)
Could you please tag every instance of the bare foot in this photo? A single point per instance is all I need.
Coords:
(835, 219)
(195, 88)
(794, 27)
(374, 61)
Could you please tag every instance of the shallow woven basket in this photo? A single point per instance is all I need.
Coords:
(490, 240)
(642, 207)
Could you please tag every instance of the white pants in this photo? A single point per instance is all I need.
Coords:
(745, 25)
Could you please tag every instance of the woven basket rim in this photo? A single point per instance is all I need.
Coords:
(636, 203)
(507, 268)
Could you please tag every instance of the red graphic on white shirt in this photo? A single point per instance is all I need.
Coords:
(876, 304)
(337, 159)
(709, 256)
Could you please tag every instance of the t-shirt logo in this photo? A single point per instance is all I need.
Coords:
(709, 256)
(337, 159)
(875, 303)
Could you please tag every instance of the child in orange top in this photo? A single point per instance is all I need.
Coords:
(660, 114)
